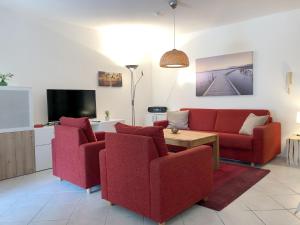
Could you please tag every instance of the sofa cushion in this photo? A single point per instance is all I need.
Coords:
(82, 123)
(178, 119)
(251, 122)
(231, 120)
(202, 119)
(155, 132)
(236, 141)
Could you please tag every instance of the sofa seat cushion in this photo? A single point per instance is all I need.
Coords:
(82, 123)
(201, 119)
(155, 132)
(231, 120)
(236, 141)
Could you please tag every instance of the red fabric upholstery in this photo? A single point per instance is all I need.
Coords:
(161, 123)
(236, 141)
(100, 136)
(231, 120)
(135, 177)
(155, 132)
(179, 180)
(237, 154)
(74, 158)
(267, 142)
(260, 148)
(201, 119)
(82, 123)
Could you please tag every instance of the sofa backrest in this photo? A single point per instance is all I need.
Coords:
(231, 120)
(128, 160)
(201, 119)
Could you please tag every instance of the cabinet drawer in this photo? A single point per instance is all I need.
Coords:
(43, 157)
(43, 136)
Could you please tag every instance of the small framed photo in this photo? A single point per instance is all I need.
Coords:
(106, 79)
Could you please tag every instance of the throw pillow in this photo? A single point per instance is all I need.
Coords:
(82, 123)
(251, 122)
(178, 119)
(155, 132)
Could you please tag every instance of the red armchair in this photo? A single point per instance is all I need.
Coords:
(75, 159)
(134, 176)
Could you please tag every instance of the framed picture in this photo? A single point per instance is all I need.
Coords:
(109, 79)
(225, 75)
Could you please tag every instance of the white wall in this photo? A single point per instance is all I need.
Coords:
(47, 54)
(275, 41)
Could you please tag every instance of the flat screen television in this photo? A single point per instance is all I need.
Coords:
(71, 103)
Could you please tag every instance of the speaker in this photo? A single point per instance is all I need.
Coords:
(157, 109)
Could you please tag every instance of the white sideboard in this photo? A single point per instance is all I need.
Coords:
(44, 135)
(152, 117)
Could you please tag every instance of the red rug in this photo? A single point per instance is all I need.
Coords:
(230, 182)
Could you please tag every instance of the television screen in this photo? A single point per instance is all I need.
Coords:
(71, 103)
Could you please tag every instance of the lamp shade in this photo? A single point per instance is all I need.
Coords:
(174, 59)
(298, 117)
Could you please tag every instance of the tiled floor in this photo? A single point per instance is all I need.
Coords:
(41, 199)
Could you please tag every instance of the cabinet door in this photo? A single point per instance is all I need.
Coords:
(25, 160)
(8, 167)
(16, 154)
(43, 157)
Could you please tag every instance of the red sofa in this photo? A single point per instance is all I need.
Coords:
(75, 152)
(134, 176)
(260, 148)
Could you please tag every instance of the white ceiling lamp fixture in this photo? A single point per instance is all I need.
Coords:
(174, 58)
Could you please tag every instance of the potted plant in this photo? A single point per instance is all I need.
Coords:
(107, 115)
(4, 77)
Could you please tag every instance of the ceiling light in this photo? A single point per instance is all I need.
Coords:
(174, 58)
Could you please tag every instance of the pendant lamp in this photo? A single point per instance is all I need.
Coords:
(174, 58)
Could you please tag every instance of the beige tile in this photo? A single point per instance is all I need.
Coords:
(238, 217)
(200, 215)
(120, 216)
(287, 201)
(54, 222)
(278, 217)
(258, 201)
(55, 212)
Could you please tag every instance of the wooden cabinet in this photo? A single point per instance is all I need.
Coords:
(16, 154)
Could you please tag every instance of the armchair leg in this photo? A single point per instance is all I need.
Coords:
(252, 164)
(111, 204)
(60, 179)
(205, 199)
(88, 191)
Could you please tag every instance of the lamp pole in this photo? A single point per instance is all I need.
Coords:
(132, 68)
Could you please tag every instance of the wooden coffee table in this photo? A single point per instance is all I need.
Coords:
(190, 139)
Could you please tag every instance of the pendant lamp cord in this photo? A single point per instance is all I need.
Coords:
(174, 21)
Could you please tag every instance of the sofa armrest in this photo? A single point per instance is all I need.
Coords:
(267, 142)
(100, 136)
(103, 174)
(89, 154)
(161, 123)
(179, 180)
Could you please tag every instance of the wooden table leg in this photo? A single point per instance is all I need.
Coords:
(216, 153)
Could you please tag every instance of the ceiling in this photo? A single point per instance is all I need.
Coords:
(191, 14)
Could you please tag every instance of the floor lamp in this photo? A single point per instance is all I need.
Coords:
(133, 85)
